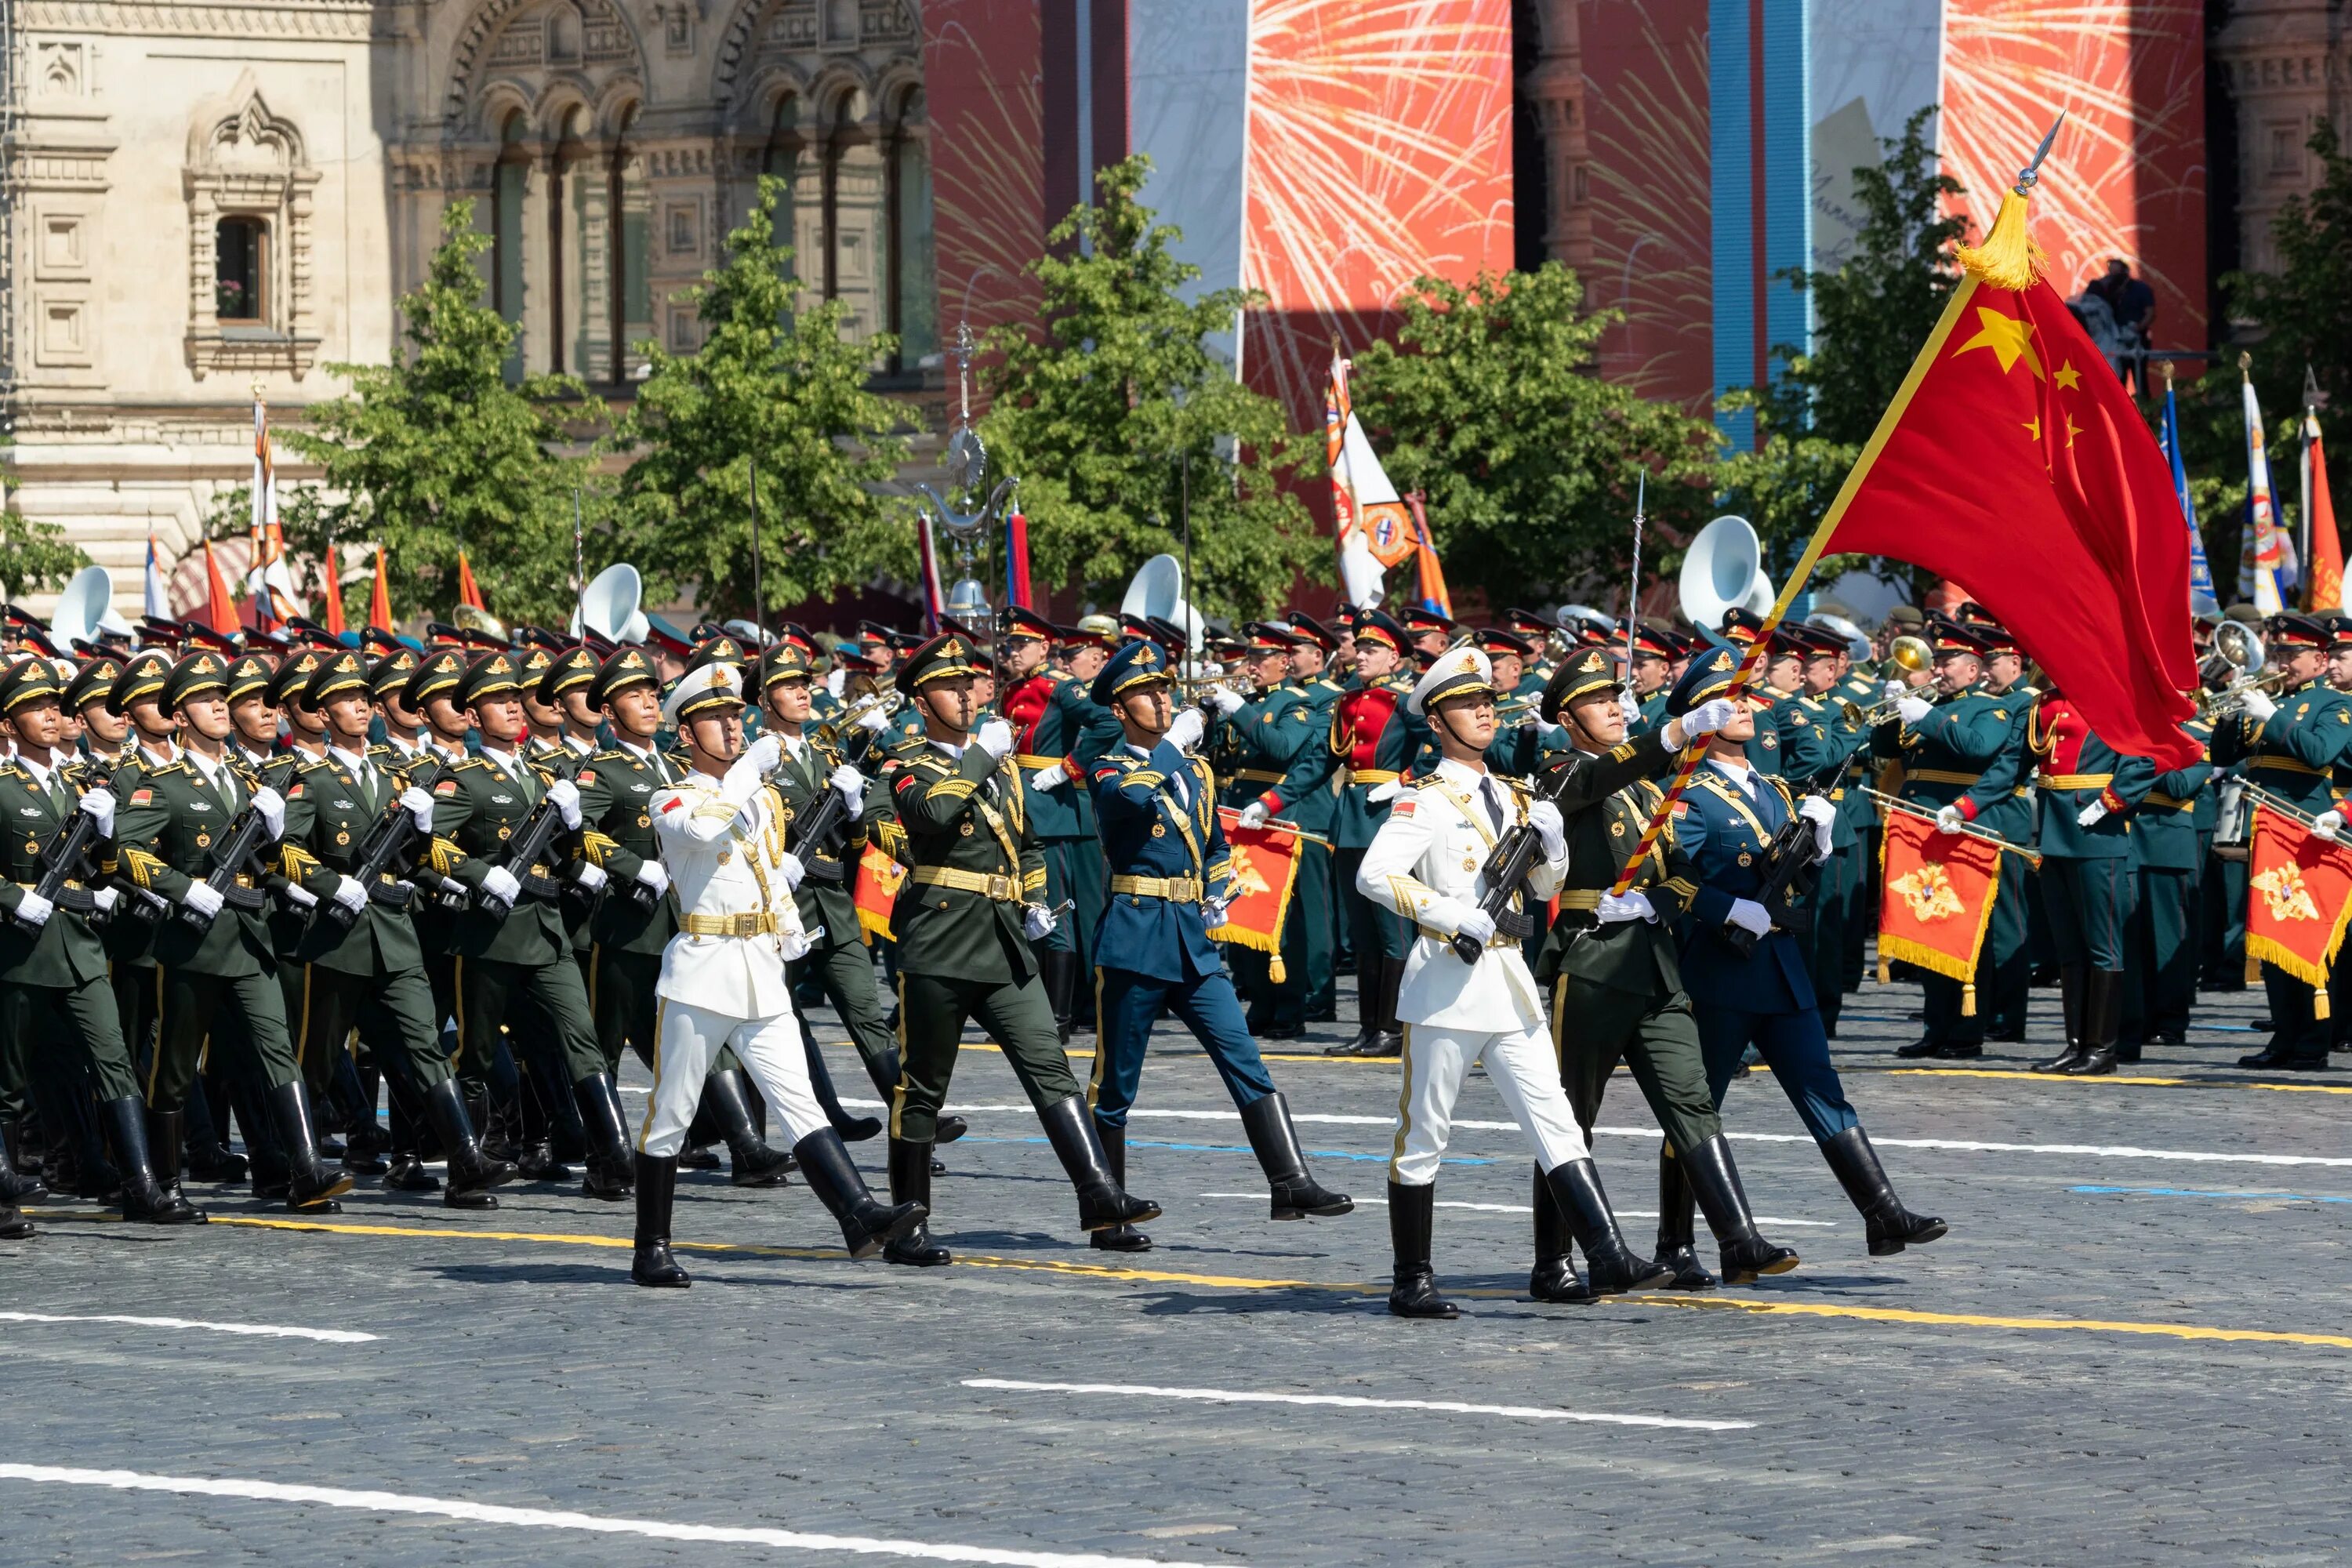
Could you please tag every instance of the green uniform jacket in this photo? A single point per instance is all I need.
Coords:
(1607, 802)
(2293, 753)
(1817, 745)
(1259, 742)
(831, 904)
(329, 817)
(966, 815)
(616, 790)
(1308, 794)
(477, 806)
(1947, 753)
(65, 952)
(166, 823)
(2164, 828)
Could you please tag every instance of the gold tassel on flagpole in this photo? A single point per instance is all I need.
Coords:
(2009, 258)
(1275, 971)
(1969, 1000)
(1885, 970)
(2319, 1003)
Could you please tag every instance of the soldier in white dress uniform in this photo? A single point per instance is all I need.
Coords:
(1427, 863)
(722, 976)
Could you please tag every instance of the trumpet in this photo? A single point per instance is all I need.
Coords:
(2214, 705)
(1869, 717)
(1907, 655)
(886, 704)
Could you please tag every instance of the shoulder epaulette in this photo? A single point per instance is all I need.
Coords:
(463, 763)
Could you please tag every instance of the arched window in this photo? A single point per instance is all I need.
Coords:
(241, 271)
(914, 259)
(508, 181)
(857, 220)
(798, 219)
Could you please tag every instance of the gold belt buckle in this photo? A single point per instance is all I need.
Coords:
(746, 925)
(1000, 888)
(1184, 890)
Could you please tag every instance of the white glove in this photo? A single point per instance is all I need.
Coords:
(1821, 812)
(350, 892)
(99, 805)
(418, 805)
(590, 877)
(766, 754)
(1550, 826)
(1616, 907)
(1477, 925)
(300, 896)
(566, 797)
(653, 875)
(1036, 922)
(1387, 791)
(850, 784)
(2092, 814)
(2258, 705)
(873, 719)
(34, 907)
(1949, 820)
(1893, 691)
(1255, 815)
(1629, 709)
(796, 942)
(995, 738)
(1751, 916)
(203, 899)
(1707, 718)
(790, 865)
(1213, 912)
(272, 807)
(1228, 701)
(105, 898)
(501, 882)
(1187, 729)
(1048, 778)
(2327, 825)
(1911, 709)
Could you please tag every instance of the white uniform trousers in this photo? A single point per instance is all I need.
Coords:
(1525, 1074)
(688, 1039)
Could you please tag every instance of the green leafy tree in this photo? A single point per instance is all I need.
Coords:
(776, 382)
(436, 452)
(1488, 401)
(1113, 412)
(35, 554)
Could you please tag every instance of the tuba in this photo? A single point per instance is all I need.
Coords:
(1724, 570)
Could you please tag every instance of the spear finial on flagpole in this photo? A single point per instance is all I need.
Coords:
(2009, 258)
(2031, 175)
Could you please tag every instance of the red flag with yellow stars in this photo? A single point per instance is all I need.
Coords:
(2014, 463)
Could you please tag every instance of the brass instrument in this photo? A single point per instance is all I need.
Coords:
(886, 704)
(2228, 671)
(1907, 655)
(469, 618)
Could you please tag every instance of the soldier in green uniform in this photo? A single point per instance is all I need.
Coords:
(1616, 984)
(219, 970)
(54, 996)
(2160, 940)
(1310, 789)
(520, 950)
(965, 922)
(369, 974)
(1265, 744)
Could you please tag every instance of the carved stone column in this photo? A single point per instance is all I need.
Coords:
(1554, 88)
(2285, 62)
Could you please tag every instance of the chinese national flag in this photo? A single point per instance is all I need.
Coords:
(2013, 462)
(1263, 867)
(2298, 897)
(1937, 900)
(878, 877)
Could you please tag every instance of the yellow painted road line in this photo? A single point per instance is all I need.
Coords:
(1754, 1308)
(2110, 1078)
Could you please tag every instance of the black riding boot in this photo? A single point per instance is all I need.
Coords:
(354, 1100)
(1553, 1278)
(1274, 1140)
(1116, 1238)
(1102, 1201)
(610, 1164)
(2070, 988)
(910, 1183)
(311, 1189)
(1368, 1008)
(883, 1069)
(1412, 1284)
(18, 1184)
(15, 1227)
(866, 1226)
(145, 1197)
(2103, 1014)
(1389, 1041)
(472, 1173)
(1710, 1175)
(651, 1264)
(1675, 1251)
(752, 1164)
(1891, 1226)
(1613, 1268)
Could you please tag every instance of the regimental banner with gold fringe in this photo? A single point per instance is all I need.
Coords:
(1936, 902)
(2298, 898)
(877, 893)
(1263, 866)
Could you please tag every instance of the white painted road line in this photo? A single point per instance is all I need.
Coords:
(265, 1331)
(1960, 1145)
(1529, 1208)
(1352, 1402)
(551, 1518)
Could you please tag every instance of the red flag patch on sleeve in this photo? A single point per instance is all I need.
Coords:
(1402, 807)
(447, 787)
(141, 797)
(672, 803)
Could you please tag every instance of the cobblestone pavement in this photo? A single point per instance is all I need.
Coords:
(2134, 1347)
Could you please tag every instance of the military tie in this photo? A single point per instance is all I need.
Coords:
(1493, 805)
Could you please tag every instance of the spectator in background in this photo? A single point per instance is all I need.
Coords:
(2132, 305)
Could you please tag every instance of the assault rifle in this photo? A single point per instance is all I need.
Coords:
(232, 858)
(1792, 864)
(62, 861)
(1506, 868)
(814, 829)
(383, 849)
(527, 847)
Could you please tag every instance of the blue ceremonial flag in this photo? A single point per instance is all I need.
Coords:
(2202, 600)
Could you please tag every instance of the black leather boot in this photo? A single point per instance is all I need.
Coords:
(2103, 1013)
(1611, 1266)
(651, 1264)
(1891, 1226)
(1102, 1201)
(145, 1197)
(355, 1100)
(853, 1128)
(15, 1227)
(311, 1189)
(1368, 1007)
(910, 1183)
(1711, 1177)
(472, 1173)
(18, 1184)
(1553, 1278)
(1675, 1251)
(1116, 1238)
(866, 1226)
(1412, 1284)
(1390, 1041)
(2071, 985)
(752, 1164)
(1274, 1140)
(611, 1163)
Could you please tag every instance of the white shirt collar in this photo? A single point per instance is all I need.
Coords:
(41, 771)
(1467, 775)
(355, 761)
(954, 752)
(585, 748)
(1739, 774)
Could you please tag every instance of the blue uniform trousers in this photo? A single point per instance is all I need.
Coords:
(1126, 1006)
(1794, 1046)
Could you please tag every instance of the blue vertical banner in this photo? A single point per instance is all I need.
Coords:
(1760, 179)
(2202, 600)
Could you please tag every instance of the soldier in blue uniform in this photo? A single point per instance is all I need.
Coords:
(1818, 741)
(1169, 876)
(1764, 997)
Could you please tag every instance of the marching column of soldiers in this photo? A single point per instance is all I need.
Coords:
(298, 911)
